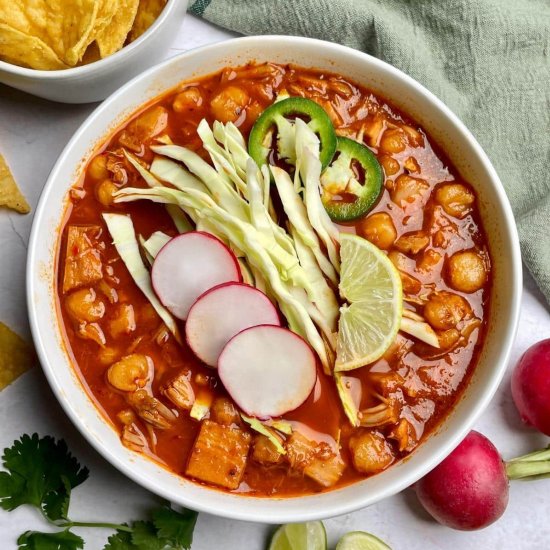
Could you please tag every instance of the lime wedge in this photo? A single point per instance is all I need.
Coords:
(371, 285)
(300, 536)
(359, 540)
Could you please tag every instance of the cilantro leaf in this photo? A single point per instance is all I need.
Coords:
(56, 503)
(41, 472)
(176, 527)
(144, 536)
(169, 530)
(121, 540)
(62, 540)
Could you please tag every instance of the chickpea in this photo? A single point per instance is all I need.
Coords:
(414, 137)
(399, 260)
(228, 104)
(123, 322)
(455, 198)
(373, 129)
(445, 310)
(389, 164)
(98, 168)
(410, 284)
(91, 331)
(151, 123)
(224, 412)
(448, 338)
(408, 189)
(131, 372)
(83, 305)
(393, 141)
(265, 452)
(405, 435)
(104, 192)
(189, 99)
(107, 355)
(253, 111)
(331, 111)
(126, 416)
(379, 230)
(411, 164)
(404, 264)
(430, 258)
(466, 271)
(412, 243)
(370, 452)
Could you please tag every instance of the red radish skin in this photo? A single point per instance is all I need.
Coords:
(221, 313)
(469, 489)
(531, 386)
(187, 266)
(267, 370)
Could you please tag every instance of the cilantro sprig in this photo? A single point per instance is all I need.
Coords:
(41, 472)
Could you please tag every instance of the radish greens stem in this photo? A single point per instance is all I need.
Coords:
(530, 466)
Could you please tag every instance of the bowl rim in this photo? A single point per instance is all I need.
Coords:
(269, 515)
(100, 64)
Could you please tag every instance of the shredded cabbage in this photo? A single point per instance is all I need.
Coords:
(348, 399)
(222, 159)
(283, 426)
(309, 168)
(295, 209)
(420, 330)
(122, 232)
(220, 189)
(155, 242)
(180, 220)
(232, 200)
(321, 294)
(257, 426)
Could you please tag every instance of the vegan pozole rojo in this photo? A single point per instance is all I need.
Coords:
(273, 282)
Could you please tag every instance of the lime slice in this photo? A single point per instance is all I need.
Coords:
(300, 536)
(371, 285)
(359, 540)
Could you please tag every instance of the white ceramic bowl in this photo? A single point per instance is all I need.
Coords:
(392, 84)
(97, 80)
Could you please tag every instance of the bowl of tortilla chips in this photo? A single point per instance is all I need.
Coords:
(80, 52)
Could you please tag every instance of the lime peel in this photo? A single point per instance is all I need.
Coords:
(359, 540)
(300, 536)
(371, 285)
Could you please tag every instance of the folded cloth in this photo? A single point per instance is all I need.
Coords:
(488, 60)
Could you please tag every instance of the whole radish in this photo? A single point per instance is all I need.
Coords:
(469, 489)
(531, 386)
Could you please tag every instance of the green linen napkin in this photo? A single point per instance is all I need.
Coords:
(488, 60)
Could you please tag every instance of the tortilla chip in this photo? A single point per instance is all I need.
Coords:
(65, 27)
(16, 356)
(91, 54)
(147, 13)
(106, 11)
(21, 49)
(10, 195)
(113, 36)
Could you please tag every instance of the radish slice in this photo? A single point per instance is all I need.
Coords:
(221, 313)
(267, 370)
(188, 265)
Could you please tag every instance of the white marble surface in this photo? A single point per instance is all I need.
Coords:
(32, 134)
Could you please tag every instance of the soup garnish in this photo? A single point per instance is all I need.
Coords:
(273, 295)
